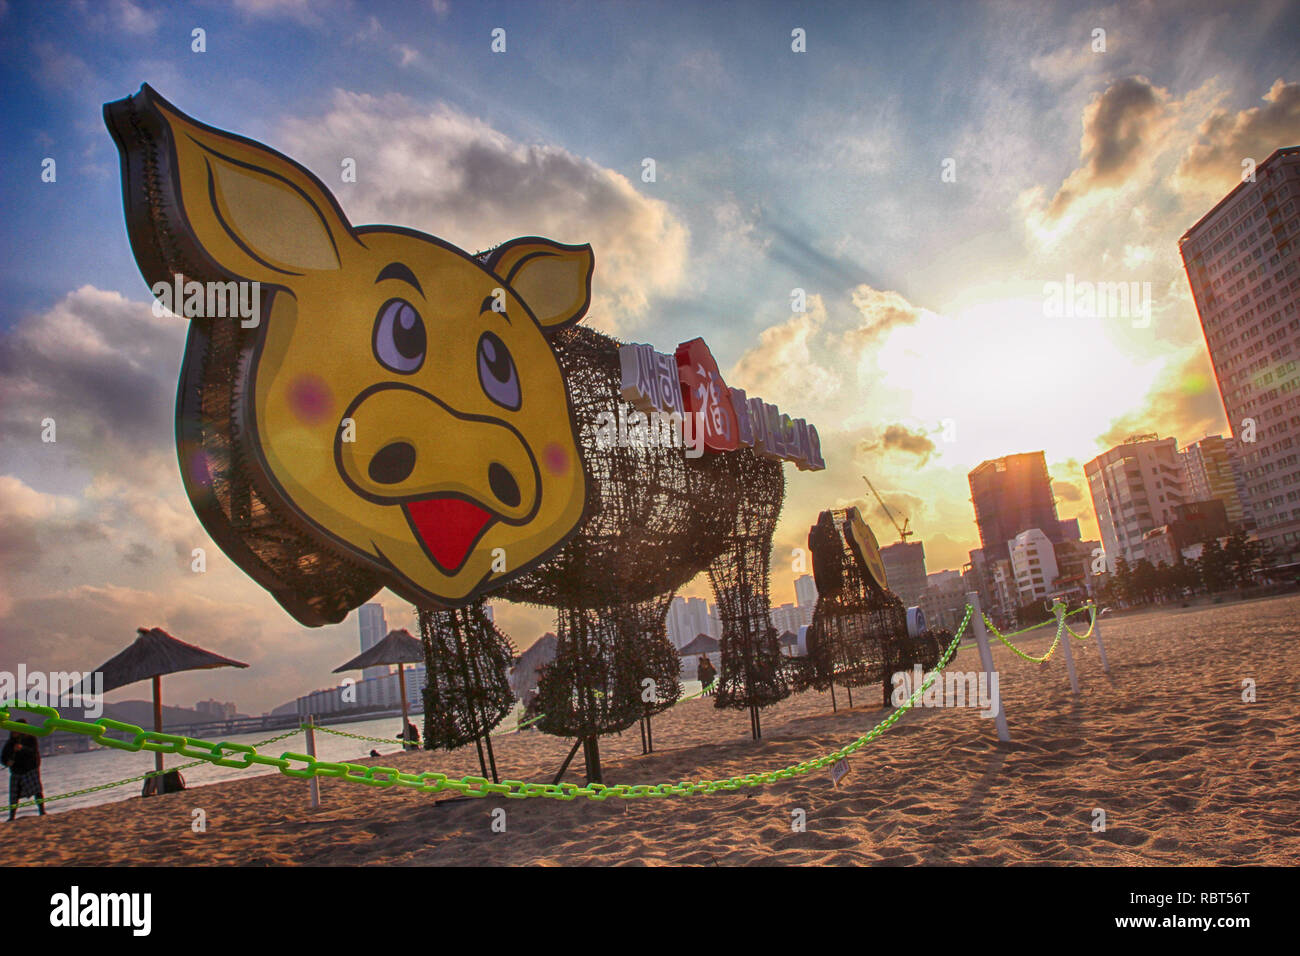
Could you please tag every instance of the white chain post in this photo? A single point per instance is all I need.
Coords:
(313, 783)
(1059, 609)
(1096, 636)
(986, 660)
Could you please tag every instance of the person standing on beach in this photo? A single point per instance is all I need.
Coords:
(704, 672)
(410, 737)
(22, 755)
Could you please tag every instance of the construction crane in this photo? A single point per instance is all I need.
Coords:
(904, 532)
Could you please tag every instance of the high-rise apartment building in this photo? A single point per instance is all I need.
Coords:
(905, 570)
(1244, 271)
(805, 590)
(1033, 563)
(374, 628)
(1135, 487)
(944, 599)
(1011, 495)
(1214, 470)
(789, 617)
(688, 618)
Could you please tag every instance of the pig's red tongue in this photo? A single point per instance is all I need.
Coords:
(449, 527)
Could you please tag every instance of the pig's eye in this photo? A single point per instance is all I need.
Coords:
(496, 371)
(399, 336)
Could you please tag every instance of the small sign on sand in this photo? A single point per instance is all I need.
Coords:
(839, 770)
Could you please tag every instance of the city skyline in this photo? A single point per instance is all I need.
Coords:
(932, 338)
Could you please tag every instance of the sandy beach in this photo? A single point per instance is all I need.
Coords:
(1186, 772)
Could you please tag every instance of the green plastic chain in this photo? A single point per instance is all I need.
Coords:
(245, 755)
(125, 780)
(1060, 629)
(520, 726)
(1092, 623)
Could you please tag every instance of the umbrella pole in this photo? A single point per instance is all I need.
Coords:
(492, 760)
(567, 760)
(482, 710)
(401, 682)
(157, 725)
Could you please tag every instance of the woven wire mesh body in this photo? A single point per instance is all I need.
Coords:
(859, 631)
(654, 520)
(643, 627)
(467, 690)
(596, 685)
(752, 672)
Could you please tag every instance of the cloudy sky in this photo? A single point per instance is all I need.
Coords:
(921, 172)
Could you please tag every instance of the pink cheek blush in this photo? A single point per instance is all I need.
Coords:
(198, 469)
(557, 459)
(310, 399)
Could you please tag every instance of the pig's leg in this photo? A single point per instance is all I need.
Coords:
(752, 673)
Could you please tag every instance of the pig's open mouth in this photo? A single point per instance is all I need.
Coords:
(448, 527)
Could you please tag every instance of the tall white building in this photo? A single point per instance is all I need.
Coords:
(1033, 562)
(1134, 488)
(805, 590)
(688, 618)
(374, 628)
(1243, 265)
(382, 692)
(790, 617)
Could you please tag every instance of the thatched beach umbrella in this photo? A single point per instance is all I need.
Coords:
(399, 648)
(154, 653)
(703, 644)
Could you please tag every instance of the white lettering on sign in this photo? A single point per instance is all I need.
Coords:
(652, 382)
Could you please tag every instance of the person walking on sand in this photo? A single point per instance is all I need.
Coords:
(410, 737)
(704, 672)
(22, 755)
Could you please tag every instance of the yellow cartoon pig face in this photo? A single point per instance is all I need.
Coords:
(402, 398)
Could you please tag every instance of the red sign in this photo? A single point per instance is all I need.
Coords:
(706, 398)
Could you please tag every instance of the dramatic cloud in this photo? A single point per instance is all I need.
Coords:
(1119, 125)
(880, 312)
(1183, 402)
(1067, 491)
(81, 626)
(903, 507)
(102, 367)
(33, 526)
(901, 439)
(443, 172)
(1226, 138)
(782, 367)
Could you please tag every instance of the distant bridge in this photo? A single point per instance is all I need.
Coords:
(218, 730)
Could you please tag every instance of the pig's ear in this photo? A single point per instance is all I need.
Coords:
(553, 279)
(198, 198)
